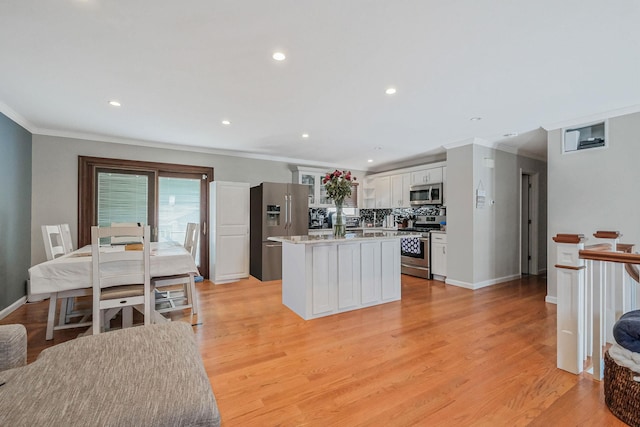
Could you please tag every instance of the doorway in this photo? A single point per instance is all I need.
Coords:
(165, 196)
(528, 223)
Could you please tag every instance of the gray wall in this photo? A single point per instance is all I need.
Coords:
(596, 189)
(484, 244)
(15, 210)
(55, 176)
(459, 201)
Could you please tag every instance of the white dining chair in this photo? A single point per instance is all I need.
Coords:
(167, 300)
(191, 238)
(57, 242)
(53, 243)
(119, 240)
(65, 234)
(121, 277)
(68, 303)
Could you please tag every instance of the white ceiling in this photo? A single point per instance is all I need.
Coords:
(180, 68)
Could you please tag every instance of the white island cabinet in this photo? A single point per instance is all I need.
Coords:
(323, 275)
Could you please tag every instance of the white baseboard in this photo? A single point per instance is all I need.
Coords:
(458, 283)
(483, 284)
(551, 300)
(13, 307)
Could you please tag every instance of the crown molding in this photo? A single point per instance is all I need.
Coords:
(185, 147)
(461, 143)
(17, 118)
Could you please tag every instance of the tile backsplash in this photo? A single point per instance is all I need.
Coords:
(376, 216)
(318, 217)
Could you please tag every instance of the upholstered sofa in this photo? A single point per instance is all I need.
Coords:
(142, 376)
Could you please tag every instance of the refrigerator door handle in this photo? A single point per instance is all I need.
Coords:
(286, 211)
(290, 209)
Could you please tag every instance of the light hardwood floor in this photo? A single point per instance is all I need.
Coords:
(441, 356)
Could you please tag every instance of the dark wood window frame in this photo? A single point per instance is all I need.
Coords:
(87, 169)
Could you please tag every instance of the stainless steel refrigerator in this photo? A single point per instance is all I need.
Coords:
(277, 209)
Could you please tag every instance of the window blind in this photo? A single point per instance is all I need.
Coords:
(122, 198)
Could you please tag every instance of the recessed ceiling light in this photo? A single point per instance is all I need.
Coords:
(114, 103)
(305, 135)
(475, 119)
(370, 161)
(377, 148)
(511, 134)
(390, 91)
(278, 56)
(226, 122)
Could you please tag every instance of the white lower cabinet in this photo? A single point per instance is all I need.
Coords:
(439, 255)
(349, 281)
(370, 274)
(324, 279)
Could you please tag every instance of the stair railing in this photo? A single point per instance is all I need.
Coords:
(596, 284)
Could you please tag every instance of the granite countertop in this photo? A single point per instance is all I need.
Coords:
(351, 236)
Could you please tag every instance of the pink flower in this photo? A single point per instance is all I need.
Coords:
(338, 184)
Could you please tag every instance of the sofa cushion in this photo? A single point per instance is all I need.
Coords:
(13, 347)
(143, 376)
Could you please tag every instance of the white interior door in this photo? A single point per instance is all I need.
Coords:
(230, 231)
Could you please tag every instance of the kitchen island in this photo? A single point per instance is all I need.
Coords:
(324, 275)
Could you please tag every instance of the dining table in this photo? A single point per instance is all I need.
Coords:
(70, 275)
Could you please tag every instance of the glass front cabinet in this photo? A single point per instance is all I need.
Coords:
(317, 193)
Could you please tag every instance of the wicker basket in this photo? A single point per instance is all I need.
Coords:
(621, 392)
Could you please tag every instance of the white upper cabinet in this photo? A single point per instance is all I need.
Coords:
(382, 187)
(426, 176)
(391, 189)
(317, 193)
(400, 190)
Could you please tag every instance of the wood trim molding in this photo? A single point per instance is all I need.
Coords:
(607, 234)
(570, 267)
(86, 200)
(569, 238)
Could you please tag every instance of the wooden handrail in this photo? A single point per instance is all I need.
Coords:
(633, 271)
(602, 251)
(605, 255)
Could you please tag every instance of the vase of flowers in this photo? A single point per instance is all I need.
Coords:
(338, 185)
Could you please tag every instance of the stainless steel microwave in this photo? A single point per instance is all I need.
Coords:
(425, 194)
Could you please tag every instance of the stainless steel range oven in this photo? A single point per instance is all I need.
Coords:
(414, 251)
(414, 256)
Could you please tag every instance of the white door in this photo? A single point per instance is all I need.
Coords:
(229, 238)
